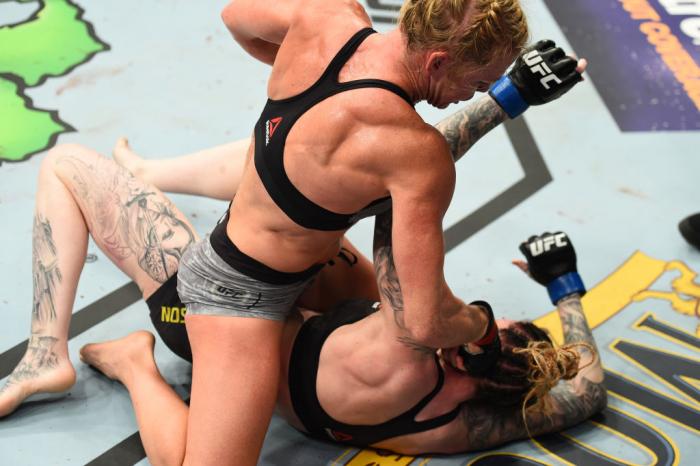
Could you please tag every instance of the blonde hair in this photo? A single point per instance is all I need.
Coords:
(549, 365)
(477, 31)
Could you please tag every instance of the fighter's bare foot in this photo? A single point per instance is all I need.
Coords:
(117, 358)
(41, 370)
(125, 156)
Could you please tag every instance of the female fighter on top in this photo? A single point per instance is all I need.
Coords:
(145, 235)
(337, 140)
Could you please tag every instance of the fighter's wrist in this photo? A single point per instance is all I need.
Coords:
(575, 296)
(565, 286)
(508, 97)
(491, 330)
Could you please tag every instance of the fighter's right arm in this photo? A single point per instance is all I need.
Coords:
(409, 250)
(260, 27)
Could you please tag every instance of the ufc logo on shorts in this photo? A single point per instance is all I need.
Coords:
(546, 243)
(537, 65)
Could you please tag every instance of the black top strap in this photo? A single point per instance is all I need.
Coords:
(346, 52)
(334, 67)
(413, 412)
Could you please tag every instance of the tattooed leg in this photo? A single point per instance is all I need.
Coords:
(59, 243)
(81, 192)
(133, 223)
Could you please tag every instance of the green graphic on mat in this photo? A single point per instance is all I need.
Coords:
(24, 130)
(52, 42)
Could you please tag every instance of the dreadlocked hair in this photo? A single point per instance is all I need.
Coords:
(529, 367)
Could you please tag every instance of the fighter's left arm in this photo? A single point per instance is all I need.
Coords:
(572, 401)
(259, 27)
(463, 128)
(541, 74)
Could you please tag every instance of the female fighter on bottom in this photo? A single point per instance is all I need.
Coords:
(343, 383)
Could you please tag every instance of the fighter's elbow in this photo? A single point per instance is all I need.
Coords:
(593, 401)
(601, 399)
(230, 15)
(424, 333)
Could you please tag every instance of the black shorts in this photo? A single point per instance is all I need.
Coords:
(168, 317)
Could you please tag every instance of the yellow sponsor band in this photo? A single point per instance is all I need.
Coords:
(173, 315)
(374, 458)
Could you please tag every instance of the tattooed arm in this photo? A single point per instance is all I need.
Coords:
(388, 281)
(390, 287)
(573, 401)
(463, 128)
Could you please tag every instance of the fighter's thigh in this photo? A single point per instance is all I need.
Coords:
(135, 224)
(349, 275)
(236, 363)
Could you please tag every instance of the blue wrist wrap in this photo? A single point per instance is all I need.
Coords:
(508, 97)
(565, 285)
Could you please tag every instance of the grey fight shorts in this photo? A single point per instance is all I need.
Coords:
(208, 285)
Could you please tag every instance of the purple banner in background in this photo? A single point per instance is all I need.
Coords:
(643, 55)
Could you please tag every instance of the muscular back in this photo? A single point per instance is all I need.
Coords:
(338, 152)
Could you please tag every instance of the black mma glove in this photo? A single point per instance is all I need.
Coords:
(490, 345)
(542, 73)
(552, 261)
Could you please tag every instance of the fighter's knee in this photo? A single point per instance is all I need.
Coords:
(58, 155)
(61, 152)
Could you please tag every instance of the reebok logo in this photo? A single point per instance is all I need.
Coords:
(546, 243)
(537, 65)
(270, 127)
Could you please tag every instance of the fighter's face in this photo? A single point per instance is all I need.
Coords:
(461, 81)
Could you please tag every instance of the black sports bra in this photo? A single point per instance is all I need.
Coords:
(274, 125)
(303, 373)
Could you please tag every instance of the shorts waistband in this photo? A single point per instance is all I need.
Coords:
(229, 253)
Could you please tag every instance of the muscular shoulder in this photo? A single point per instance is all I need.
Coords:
(415, 146)
(417, 167)
(402, 130)
(315, 14)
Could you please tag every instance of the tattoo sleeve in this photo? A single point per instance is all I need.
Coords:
(573, 401)
(464, 128)
(388, 280)
(574, 324)
(461, 130)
